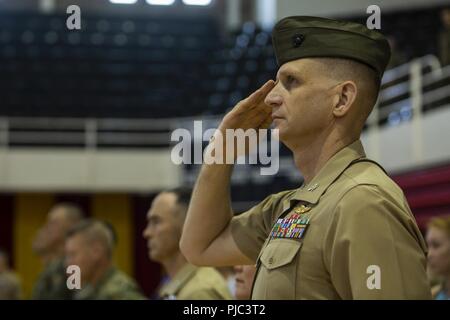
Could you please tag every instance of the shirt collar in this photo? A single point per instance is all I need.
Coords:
(178, 281)
(333, 168)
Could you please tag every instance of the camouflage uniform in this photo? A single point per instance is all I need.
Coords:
(51, 283)
(114, 285)
(10, 286)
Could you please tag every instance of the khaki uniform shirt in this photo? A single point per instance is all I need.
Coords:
(196, 283)
(355, 237)
(115, 285)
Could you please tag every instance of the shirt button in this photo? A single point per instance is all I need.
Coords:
(270, 260)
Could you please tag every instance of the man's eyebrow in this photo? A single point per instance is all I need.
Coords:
(289, 71)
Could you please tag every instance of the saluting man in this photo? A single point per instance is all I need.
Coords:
(347, 232)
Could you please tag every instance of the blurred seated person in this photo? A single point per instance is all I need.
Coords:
(49, 246)
(244, 275)
(90, 246)
(165, 224)
(444, 37)
(438, 240)
(228, 273)
(10, 287)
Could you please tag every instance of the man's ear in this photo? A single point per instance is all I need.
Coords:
(347, 92)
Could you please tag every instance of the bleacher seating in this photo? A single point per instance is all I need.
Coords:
(151, 68)
(112, 67)
(247, 59)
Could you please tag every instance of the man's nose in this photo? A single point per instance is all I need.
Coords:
(273, 99)
(146, 233)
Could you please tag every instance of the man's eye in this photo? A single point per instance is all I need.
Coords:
(290, 80)
(434, 245)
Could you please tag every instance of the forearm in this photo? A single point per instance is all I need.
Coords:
(209, 211)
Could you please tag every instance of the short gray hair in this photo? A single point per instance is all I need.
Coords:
(95, 231)
(72, 211)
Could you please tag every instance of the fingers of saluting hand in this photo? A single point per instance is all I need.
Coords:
(255, 118)
(256, 99)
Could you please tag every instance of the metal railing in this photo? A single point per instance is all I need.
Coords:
(404, 85)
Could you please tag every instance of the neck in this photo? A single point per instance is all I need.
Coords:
(52, 256)
(100, 271)
(57, 252)
(311, 157)
(174, 264)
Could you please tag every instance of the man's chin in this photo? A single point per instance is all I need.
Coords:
(154, 257)
(281, 133)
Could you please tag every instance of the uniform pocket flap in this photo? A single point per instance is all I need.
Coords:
(279, 252)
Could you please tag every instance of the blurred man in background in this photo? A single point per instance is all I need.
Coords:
(244, 275)
(90, 246)
(165, 224)
(10, 287)
(49, 246)
(438, 240)
(229, 274)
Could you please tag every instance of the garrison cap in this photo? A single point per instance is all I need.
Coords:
(308, 37)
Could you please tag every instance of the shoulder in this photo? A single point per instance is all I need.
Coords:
(209, 274)
(365, 200)
(9, 279)
(370, 173)
(371, 203)
(364, 192)
(367, 181)
(119, 280)
(119, 286)
(207, 283)
(11, 276)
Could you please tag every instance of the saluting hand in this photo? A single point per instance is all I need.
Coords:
(250, 113)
